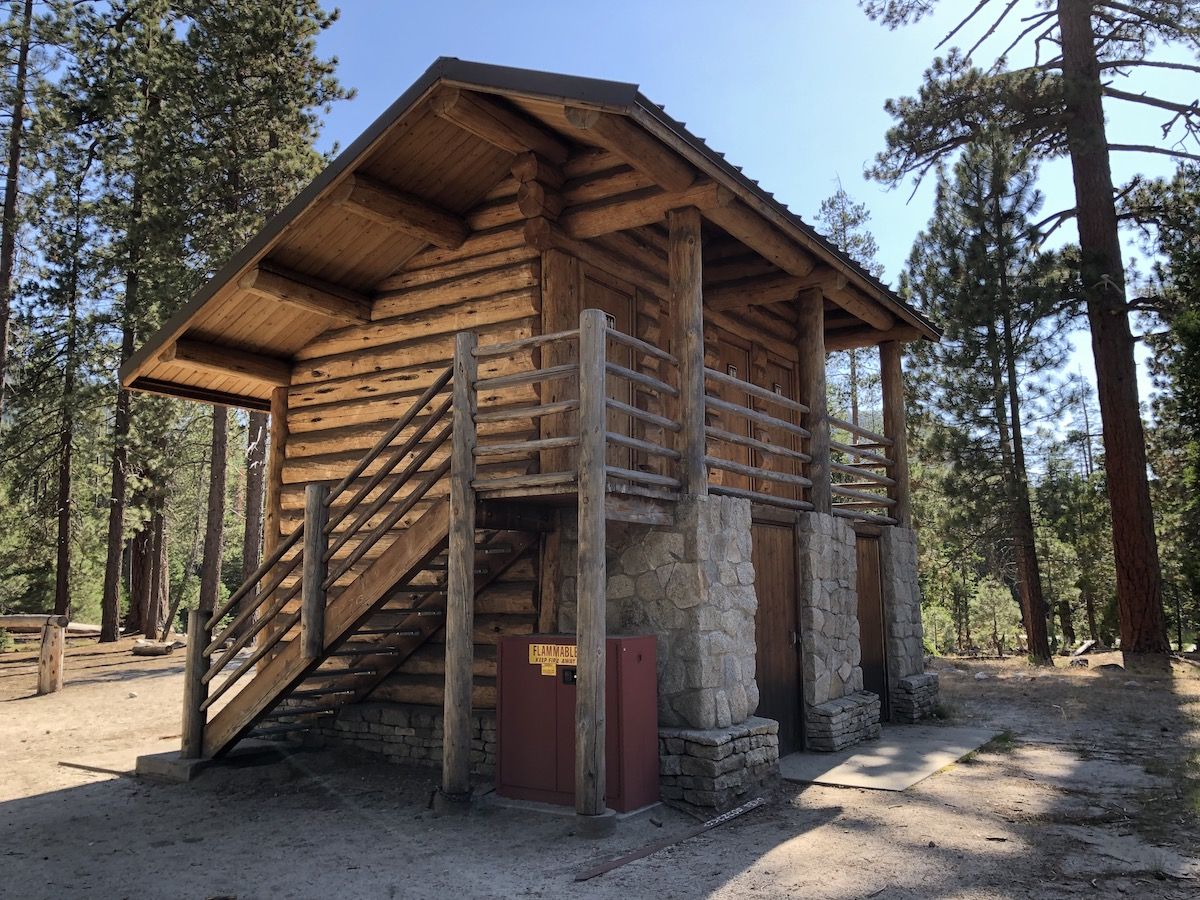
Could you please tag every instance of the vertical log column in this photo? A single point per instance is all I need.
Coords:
(50, 659)
(810, 326)
(460, 584)
(895, 426)
(686, 271)
(195, 691)
(312, 585)
(592, 576)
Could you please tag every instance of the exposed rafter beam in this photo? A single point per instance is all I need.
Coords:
(618, 135)
(308, 294)
(406, 212)
(639, 208)
(752, 230)
(770, 288)
(223, 360)
(498, 125)
(851, 338)
(546, 235)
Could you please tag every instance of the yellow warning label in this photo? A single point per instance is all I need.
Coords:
(550, 656)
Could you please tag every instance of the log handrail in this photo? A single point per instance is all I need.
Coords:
(755, 390)
(873, 436)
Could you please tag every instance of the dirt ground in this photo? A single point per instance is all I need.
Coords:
(1093, 790)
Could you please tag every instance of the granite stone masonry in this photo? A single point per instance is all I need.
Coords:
(840, 723)
(709, 770)
(902, 612)
(914, 697)
(691, 584)
(409, 734)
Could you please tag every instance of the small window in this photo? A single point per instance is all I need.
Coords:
(610, 321)
(778, 388)
(731, 371)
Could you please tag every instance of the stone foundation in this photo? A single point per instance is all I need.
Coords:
(843, 722)
(706, 771)
(914, 697)
(409, 734)
(691, 585)
(913, 692)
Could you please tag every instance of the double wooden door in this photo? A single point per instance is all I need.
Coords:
(777, 632)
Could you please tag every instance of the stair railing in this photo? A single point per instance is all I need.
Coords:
(309, 555)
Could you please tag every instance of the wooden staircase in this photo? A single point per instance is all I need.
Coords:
(296, 648)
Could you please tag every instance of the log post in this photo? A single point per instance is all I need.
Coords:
(50, 659)
(895, 426)
(810, 326)
(460, 583)
(592, 577)
(312, 584)
(686, 274)
(195, 691)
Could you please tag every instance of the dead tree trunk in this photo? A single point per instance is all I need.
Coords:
(1139, 577)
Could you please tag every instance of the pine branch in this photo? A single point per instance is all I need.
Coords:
(996, 24)
(979, 6)
(1147, 63)
(1161, 151)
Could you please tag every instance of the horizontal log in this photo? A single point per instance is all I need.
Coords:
(851, 493)
(641, 378)
(406, 212)
(33, 622)
(224, 360)
(507, 414)
(862, 517)
(309, 294)
(755, 415)
(511, 448)
(428, 264)
(652, 478)
(716, 462)
(774, 288)
(507, 348)
(534, 376)
(866, 474)
(742, 440)
(546, 235)
(875, 436)
(854, 338)
(758, 497)
(642, 415)
(640, 208)
(755, 390)
(624, 440)
(640, 346)
(519, 276)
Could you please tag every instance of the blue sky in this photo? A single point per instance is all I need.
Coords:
(791, 91)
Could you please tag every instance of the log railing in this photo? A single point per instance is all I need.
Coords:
(636, 457)
(861, 462)
(768, 433)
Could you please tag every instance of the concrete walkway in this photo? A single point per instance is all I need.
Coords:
(904, 755)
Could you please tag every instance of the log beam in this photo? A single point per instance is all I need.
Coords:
(853, 338)
(498, 125)
(224, 360)
(776, 288)
(646, 207)
(545, 236)
(620, 136)
(406, 212)
(757, 234)
(686, 269)
(308, 294)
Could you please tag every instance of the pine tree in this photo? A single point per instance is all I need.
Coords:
(845, 223)
(1054, 107)
(978, 271)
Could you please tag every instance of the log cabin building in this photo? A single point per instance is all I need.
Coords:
(539, 361)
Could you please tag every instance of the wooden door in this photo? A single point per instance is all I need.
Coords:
(777, 632)
(617, 301)
(779, 377)
(870, 619)
(733, 359)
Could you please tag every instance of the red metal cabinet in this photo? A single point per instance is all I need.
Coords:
(535, 721)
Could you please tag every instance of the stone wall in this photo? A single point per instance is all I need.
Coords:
(409, 733)
(841, 723)
(837, 712)
(691, 585)
(705, 771)
(913, 696)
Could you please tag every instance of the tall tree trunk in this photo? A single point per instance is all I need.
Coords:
(110, 602)
(1139, 576)
(139, 588)
(66, 439)
(854, 386)
(210, 571)
(256, 467)
(8, 219)
(156, 604)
